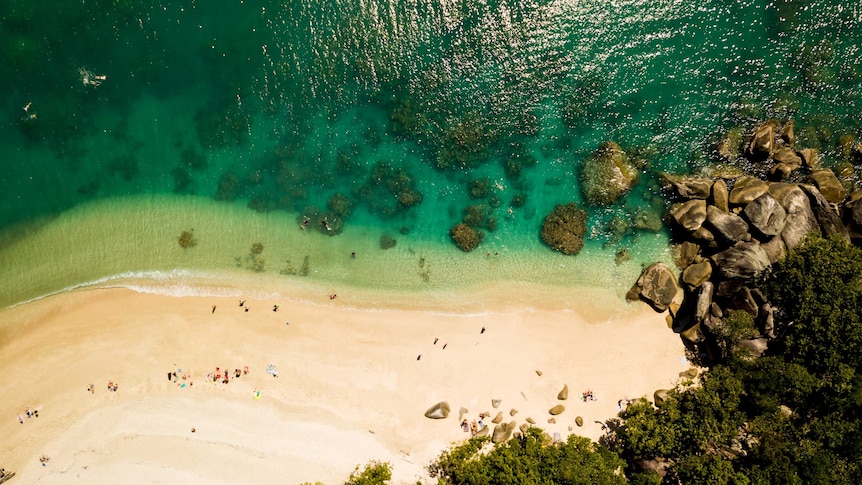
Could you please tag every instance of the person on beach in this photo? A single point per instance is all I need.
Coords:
(20, 418)
(91, 388)
(482, 331)
(275, 307)
(419, 357)
(214, 307)
(242, 303)
(435, 340)
(246, 308)
(332, 296)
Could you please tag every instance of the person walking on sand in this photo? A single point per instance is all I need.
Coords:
(482, 331)
(214, 307)
(20, 418)
(242, 303)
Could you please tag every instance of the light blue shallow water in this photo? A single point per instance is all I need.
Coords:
(380, 115)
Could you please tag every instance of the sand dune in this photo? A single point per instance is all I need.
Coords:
(349, 386)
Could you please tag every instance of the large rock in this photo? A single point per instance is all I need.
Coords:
(746, 189)
(852, 215)
(744, 300)
(696, 274)
(685, 253)
(689, 187)
(810, 157)
(786, 161)
(720, 195)
(579, 421)
(762, 143)
(742, 261)
(828, 185)
(830, 222)
(607, 174)
(704, 301)
(800, 220)
(775, 249)
(558, 409)
(498, 418)
(729, 227)
(438, 411)
(689, 215)
(766, 216)
(502, 432)
(658, 286)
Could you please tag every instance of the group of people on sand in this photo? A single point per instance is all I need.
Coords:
(588, 396)
(112, 386)
(224, 375)
(474, 427)
(186, 377)
(30, 414)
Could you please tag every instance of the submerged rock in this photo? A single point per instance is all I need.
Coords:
(563, 229)
(607, 174)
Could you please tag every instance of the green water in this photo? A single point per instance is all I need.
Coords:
(239, 119)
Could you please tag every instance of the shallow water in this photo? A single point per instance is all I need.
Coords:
(235, 121)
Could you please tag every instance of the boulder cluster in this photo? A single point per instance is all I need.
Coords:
(729, 229)
(503, 431)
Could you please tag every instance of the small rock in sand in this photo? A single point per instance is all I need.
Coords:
(564, 394)
(513, 412)
(559, 408)
(498, 418)
(495, 403)
(438, 411)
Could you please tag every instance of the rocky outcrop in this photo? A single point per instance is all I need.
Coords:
(725, 239)
(558, 409)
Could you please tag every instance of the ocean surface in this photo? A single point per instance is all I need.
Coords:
(126, 124)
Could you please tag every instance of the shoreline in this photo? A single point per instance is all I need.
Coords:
(134, 241)
(349, 380)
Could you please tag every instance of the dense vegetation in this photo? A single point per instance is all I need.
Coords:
(789, 417)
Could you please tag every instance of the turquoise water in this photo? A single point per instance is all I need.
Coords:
(380, 116)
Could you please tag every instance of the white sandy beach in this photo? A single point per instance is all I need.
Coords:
(349, 388)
